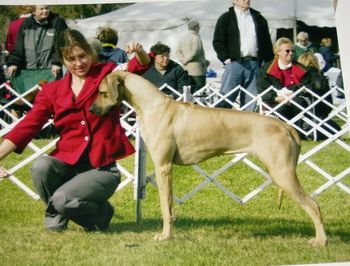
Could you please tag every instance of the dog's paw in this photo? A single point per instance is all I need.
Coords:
(315, 242)
(161, 237)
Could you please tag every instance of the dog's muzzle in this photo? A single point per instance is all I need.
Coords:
(97, 110)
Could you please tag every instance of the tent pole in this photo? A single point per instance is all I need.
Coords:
(295, 21)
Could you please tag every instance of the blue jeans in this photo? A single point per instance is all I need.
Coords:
(245, 74)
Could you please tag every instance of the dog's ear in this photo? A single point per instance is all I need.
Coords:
(113, 86)
(120, 89)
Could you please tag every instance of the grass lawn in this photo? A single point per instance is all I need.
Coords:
(211, 228)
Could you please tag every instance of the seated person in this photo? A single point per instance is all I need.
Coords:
(287, 77)
(109, 51)
(164, 70)
(303, 45)
(320, 85)
(326, 51)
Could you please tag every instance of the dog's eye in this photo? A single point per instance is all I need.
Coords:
(103, 94)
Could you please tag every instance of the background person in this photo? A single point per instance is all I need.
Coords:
(242, 42)
(320, 85)
(34, 57)
(326, 51)
(286, 76)
(109, 51)
(26, 11)
(191, 54)
(77, 178)
(303, 45)
(164, 70)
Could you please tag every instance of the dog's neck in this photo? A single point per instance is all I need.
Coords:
(146, 98)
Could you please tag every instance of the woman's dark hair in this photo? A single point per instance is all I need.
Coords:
(160, 48)
(69, 39)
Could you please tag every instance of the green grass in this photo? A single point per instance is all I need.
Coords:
(211, 228)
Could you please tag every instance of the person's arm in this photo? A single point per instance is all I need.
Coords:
(265, 82)
(220, 39)
(195, 45)
(140, 54)
(60, 26)
(6, 147)
(266, 39)
(17, 56)
(141, 62)
(182, 78)
(179, 53)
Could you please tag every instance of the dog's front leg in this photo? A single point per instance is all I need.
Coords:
(165, 188)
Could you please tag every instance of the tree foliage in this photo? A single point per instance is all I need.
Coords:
(8, 13)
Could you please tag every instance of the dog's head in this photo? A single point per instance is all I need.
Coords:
(110, 94)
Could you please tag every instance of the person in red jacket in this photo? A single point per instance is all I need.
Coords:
(14, 25)
(287, 77)
(80, 175)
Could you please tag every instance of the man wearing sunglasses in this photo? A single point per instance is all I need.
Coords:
(242, 43)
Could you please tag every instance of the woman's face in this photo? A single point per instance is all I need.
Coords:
(161, 61)
(78, 62)
(285, 53)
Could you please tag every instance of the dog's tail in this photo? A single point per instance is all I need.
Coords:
(279, 198)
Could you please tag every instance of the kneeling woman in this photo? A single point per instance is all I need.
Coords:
(287, 77)
(80, 175)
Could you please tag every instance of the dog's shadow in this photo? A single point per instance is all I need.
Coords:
(251, 227)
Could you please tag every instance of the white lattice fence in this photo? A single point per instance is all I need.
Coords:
(210, 96)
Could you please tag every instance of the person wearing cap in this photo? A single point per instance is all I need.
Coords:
(190, 53)
(242, 43)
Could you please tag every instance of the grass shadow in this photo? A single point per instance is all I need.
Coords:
(262, 228)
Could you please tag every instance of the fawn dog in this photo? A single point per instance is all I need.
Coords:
(187, 134)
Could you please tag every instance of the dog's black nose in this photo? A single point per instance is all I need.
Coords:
(97, 110)
(94, 109)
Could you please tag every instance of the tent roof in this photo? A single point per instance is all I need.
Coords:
(162, 15)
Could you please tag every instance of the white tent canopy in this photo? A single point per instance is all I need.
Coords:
(149, 22)
(163, 15)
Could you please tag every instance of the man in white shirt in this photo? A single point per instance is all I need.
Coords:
(242, 43)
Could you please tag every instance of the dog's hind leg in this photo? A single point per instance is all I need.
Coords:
(165, 188)
(288, 182)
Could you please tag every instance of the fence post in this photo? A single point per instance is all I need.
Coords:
(187, 94)
(140, 172)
